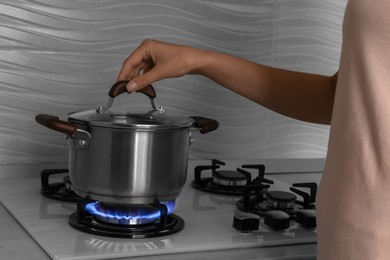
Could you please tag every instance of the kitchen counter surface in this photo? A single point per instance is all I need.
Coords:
(16, 243)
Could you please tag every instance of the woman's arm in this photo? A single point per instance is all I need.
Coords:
(303, 96)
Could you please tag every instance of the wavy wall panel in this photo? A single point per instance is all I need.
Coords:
(62, 56)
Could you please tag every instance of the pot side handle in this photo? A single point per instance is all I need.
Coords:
(204, 124)
(120, 88)
(54, 123)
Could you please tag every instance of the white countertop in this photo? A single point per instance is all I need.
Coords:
(16, 243)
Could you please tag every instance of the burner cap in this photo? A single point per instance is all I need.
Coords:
(229, 178)
(280, 199)
(281, 195)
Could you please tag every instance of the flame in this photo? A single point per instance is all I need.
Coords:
(130, 212)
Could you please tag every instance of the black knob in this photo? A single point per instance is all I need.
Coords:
(245, 222)
(306, 218)
(277, 219)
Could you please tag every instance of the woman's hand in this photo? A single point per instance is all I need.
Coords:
(154, 60)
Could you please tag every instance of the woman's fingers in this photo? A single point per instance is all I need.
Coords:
(135, 63)
(150, 74)
(153, 61)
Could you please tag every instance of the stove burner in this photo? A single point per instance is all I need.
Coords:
(127, 214)
(229, 178)
(62, 191)
(121, 225)
(277, 207)
(226, 182)
(280, 200)
(257, 199)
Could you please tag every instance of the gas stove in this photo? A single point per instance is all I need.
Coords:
(276, 207)
(79, 228)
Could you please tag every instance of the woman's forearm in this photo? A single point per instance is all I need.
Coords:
(303, 96)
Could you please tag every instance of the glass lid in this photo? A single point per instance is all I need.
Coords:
(104, 116)
(154, 119)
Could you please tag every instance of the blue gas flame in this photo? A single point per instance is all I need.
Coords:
(141, 214)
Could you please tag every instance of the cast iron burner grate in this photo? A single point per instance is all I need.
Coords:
(62, 191)
(257, 199)
(227, 182)
(276, 207)
(167, 224)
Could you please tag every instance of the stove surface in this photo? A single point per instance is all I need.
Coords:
(208, 224)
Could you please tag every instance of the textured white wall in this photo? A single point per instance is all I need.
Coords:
(62, 56)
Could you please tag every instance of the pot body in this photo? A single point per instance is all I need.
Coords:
(129, 165)
(127, 158)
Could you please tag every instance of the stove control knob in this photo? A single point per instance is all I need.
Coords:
(277, 219)
(306, 218)
(245, 222)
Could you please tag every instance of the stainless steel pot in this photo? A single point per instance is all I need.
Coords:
(121, 157)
